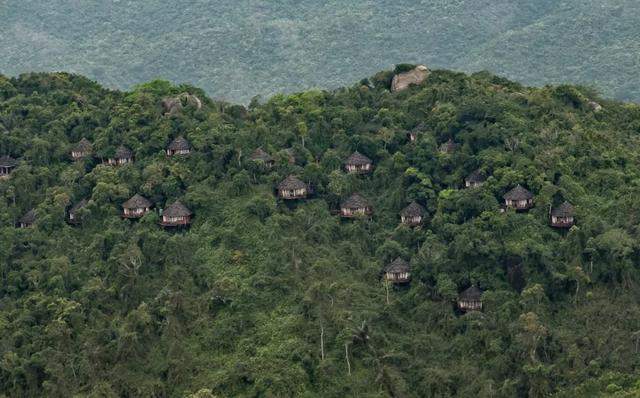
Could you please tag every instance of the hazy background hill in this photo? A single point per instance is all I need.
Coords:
(237, 49)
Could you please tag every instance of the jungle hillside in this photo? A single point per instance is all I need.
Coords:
(264, 295)
(235, 50)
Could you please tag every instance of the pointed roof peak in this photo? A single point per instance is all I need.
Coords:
(413, 209)
(137, 201)
(398, 265)
(358, 159)
(518, 193)
(179, 144)
(471, 293)
(355, 201)
(565, 209)
(8, 161)
(177, 209)
(292, 182)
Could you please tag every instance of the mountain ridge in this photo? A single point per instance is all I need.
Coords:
(263, 296)
(236, 51)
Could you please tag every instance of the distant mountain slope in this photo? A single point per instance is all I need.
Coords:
(238, 49)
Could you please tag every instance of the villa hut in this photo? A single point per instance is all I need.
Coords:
(562, 216)
(179, 146)
(136, 207)
(82, 149)
(260, 156)
(448, 147)
(475, 179)
(518, 198)
(292, 188)
(122, 156)
(357, 163)
(74, 214)
(355, 206)
(470, 299)
(412, 215)
(176, 215)
(7, 164)
(398, 271)
(28, 219)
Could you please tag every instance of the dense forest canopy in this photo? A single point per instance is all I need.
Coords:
(274, 298)
(237, 49)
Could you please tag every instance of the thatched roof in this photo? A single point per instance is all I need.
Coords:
(179, 144)
(84, 145)
(177, 209)
(355, 201)
(476, 176)
(397, 266)
(564, 210)
(78, 206)
(518, 193)
(28, 218)
(123, 153)
(292, 182)
(8, 161)
(403, 80)
(357, 159)
(260, 155)
(137, 202)
(448, 147)
(413, 210)
(471, 294)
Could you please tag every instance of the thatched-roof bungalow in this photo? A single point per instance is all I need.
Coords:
(475, 179)
(470, 299)
(292, 188)
(179, 146)
(122, 156)
(74, 212)
(357, 163)
(412, 215)
(260, 156)
(562, 216)
(82, 149)
(448, 147)
(398, 271)
(518, 198)
(355, 206)
(28, 219)
(136, 207)
(176, 215)
(7, 164)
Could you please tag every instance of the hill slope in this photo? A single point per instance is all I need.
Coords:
(262, 297)
(235, 50)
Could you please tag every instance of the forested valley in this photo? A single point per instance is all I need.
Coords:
(264, 295)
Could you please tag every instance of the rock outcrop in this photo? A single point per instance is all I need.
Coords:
(403, 80)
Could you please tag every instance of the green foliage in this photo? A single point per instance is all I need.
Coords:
(266, 298)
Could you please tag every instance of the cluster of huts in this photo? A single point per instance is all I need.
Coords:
(173, 216)
(292, 188)
(399, 271)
